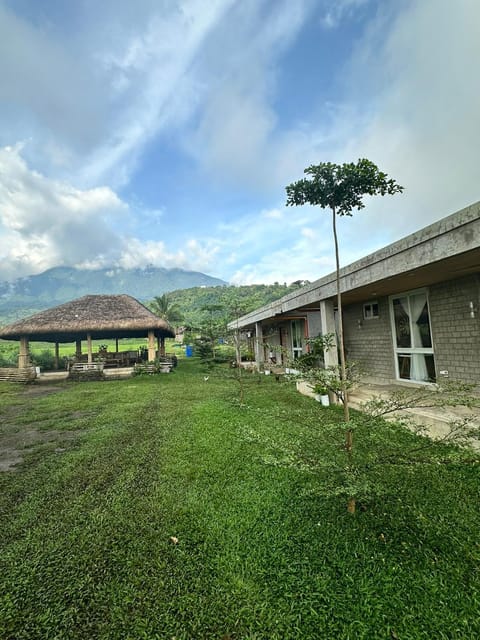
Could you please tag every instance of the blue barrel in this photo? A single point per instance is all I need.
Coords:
(189, 351)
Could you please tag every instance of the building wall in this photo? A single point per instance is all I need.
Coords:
(456, 335)
(368, 342)
(314, 323)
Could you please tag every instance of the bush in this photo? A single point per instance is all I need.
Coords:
(45, 360)
(8, 355)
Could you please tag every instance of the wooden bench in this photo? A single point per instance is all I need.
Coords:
(87, 366)
(154, 367)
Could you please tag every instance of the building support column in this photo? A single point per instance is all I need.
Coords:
(89, 348)
(56, 356)
(23, 356)
(161, 346)
(78, 349)
(259, 350)
(151, 345)
(327, 316)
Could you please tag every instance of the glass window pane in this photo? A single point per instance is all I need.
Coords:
(402, 322)
(420, 321)
(404, 366)
(423, 367)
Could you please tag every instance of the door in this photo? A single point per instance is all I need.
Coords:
(297, 338)
(412, 337)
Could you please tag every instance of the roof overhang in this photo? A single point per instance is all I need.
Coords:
(443, 251)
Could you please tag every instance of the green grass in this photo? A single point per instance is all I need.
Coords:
(265, 547)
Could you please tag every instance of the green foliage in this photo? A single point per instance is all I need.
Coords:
(195, 304)
(163, 307)
(44, 359)
(311, 368)
(341, 188)
(8, 353)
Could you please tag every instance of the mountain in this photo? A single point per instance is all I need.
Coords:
(28, 295)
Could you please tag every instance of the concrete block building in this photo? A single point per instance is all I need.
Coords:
(411, 311)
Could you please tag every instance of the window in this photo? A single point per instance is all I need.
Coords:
(370, 310)
(412, 337)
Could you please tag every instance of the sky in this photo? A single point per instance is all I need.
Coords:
(164, 132)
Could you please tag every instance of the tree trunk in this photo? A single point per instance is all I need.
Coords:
(343, 368)
(351, 504)
(236, 340)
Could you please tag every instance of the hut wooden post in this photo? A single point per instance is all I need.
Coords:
(57, 356)
(78, 349)
(161, 347)
(23, 357)
(151, 346)
(89, 347)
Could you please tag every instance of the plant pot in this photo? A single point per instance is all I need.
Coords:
(324, 399)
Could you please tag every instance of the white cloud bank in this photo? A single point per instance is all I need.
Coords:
(44, 223)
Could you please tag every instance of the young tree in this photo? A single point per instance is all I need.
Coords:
(341, 188)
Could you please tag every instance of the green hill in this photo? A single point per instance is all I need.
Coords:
(196, 304)
(26, 296)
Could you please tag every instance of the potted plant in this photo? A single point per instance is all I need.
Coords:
(321, 394)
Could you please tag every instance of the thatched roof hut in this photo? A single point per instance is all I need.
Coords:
(99, 316)
(94, 317)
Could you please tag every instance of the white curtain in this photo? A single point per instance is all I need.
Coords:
(419, 367)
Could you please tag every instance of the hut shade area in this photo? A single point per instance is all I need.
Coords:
(89, 318)
(98, 316)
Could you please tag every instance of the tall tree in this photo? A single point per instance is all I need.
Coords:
(163, 307)
(341, 188)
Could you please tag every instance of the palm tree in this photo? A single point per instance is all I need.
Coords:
(163, 307)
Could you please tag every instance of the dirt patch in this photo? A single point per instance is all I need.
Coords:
(15, 443)
(18, 440)
(34, 391)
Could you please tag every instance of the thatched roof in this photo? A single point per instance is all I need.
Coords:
(101, 316)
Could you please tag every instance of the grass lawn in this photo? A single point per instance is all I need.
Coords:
(159, 507)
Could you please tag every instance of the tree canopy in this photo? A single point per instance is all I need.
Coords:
(163, 307)
(341, 188)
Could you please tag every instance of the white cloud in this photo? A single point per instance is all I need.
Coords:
(308, 232)
(111, 84)
(334, 11)
(273, 214)
(422, 123)
(197, 255)
(237, 138)
(148, 70)
(45, 222)
(93, 97)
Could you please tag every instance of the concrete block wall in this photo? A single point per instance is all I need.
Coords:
(369, 341)
(456, 335)
(314, 323)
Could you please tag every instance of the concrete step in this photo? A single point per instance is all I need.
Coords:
(437, 420)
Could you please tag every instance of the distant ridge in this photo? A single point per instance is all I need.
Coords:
(23, 296)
